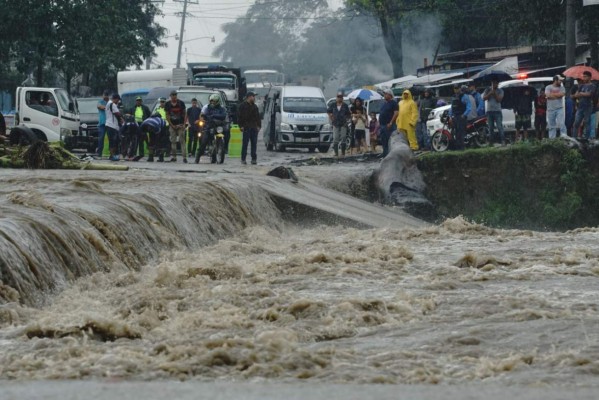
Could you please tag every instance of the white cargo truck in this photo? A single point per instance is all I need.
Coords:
(150, 78)
(48, 114)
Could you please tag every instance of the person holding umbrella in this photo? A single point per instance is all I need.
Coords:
(585, 93)
(493, 96)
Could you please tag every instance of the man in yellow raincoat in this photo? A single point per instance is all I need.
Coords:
(407, 118)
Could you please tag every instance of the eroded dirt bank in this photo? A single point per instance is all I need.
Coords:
(546, 187)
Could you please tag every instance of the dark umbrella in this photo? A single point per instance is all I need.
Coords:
(489, 75)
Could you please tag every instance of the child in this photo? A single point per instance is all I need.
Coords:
(360, 121)
(373, 128)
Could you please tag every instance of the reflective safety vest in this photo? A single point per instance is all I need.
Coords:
(139, 114)
(162, 113)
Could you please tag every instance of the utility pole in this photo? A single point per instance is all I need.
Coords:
(570, 34)
(181, 33)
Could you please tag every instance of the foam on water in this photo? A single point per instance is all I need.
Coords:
(455, 303)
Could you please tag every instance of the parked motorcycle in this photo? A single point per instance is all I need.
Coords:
(211, 135)
(477, 133)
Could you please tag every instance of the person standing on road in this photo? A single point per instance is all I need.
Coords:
(541, 115)
(102, 122)
(493, 96)
(585, 94)
(175, 116)
(478, 99)
(359, 121)
(113, 122)
(387, 118)
(407, 118)
(555, 108)
(425, 105)
(248, 117)
(460, 109)
(374, 128)
(140, 112)
(523, 112)
(191, 118)
(339, 116)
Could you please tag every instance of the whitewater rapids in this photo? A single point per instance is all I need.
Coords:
(260, 298)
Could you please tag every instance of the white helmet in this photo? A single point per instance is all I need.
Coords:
(215, 98)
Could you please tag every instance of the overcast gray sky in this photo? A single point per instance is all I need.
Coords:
(204, 20)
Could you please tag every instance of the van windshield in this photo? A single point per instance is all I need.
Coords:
(305, 105)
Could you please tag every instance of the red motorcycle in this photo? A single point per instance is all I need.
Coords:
(477, 133)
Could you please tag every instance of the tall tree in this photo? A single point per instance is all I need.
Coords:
(50, 34)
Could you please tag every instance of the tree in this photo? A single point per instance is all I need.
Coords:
(79, 37)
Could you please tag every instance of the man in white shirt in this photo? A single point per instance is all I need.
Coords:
(556, 116)
(113, 120)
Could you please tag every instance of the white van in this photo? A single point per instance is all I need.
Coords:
(301, 120)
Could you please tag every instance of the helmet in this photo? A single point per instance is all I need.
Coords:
(215, 98)
(441, 103)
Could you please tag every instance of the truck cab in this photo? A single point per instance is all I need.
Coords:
(51, 113)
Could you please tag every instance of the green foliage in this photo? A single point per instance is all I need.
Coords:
(545, 186)
(78, 36)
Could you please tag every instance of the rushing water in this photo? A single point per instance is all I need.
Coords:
(249, 296)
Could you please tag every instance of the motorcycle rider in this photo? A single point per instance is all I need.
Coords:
(213, 110)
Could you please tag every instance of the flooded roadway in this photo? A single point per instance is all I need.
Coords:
(264, 302)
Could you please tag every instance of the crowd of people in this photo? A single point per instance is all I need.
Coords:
(129, 132)
(562, 108)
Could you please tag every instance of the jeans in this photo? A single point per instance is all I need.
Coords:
(101, 134)
(556, 119)
(250, 136)
(495, 118)
(192, 141)
(424, 140)
(384, 136)
(113, 140)
(583, 114)
(593, 132)
(339, 136)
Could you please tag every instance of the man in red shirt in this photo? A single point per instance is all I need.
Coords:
(175, 116)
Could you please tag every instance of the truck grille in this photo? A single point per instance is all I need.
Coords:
(306, 128)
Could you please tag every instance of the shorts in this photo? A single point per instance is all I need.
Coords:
(360, 134)
(522, 122)
(540, 122)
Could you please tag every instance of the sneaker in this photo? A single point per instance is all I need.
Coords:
(254, 162)
(150, 158)
(243, 162)
(185, 160)
(161, 158)
(114, 158)
(173, 159)
(137, 158)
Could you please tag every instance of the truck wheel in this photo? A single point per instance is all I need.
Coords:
(323, 149)
(22, 136)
